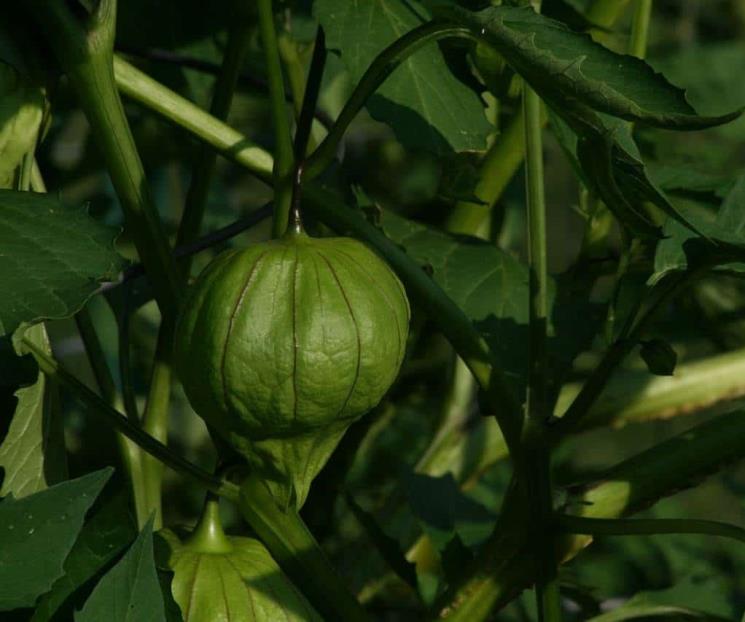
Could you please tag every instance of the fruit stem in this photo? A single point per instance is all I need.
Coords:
(208, 535)
(295, 225)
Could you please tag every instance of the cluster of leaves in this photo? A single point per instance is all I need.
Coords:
(425, 473)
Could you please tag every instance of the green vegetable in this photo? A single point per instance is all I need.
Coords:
(282, 345)
(218, 578)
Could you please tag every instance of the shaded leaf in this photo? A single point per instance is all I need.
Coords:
(445, 512)
(387, 546)
(427, 107)
(613, 167)
(53, 258)
(29, 466)
(37, 533)
(681, 247)
(103, 538)
(459, 177)
(491, 287)
(130, 590)
(561, 64)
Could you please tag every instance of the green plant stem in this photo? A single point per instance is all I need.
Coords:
(129, 451)
(84, 49)
(129, 399)
(454, 413)
(582, 525)
(632, 396)
(98, 407)
(497, 168)
(155, 415)
(628, 488)
(155, 420)
(450, 319)
(284, 161)
(178, 110)
(605, 13)
(294, 70)
(311, 91)
(640, 28)
(297, 552)
(380, 68)
(535, 467)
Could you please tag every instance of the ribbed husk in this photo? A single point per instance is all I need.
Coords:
(282, 345)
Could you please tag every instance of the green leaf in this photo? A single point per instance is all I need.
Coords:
(104, 537)
(53, 258)
(564, 65)
(21, 112)
(37, 533)
(445, 512)
(681, 246)
(427, 107)
(659, 357)
(130, 590)
(31, 452)
(491, 287)
(387, 546)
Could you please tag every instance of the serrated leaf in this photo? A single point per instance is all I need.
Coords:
(37, 533)
(427, 107)
(491, 287)
(28, 454)
(52, 260)
(561, 64)
(130, 590)
(103, 538)
(613, 167)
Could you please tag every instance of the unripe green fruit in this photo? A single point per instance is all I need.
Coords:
(282, 345)
(219, 578)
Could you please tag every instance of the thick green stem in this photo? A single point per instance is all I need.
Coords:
(496, 170)
(129, 451)
(294, 69)
(180, 111)
(535, 467)
(84, 48)
(98, 407)
(296, 550)
(605, 13)
(284, 160)
(155, 416)
(582, 525)
(640, 28)
(155, 420)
